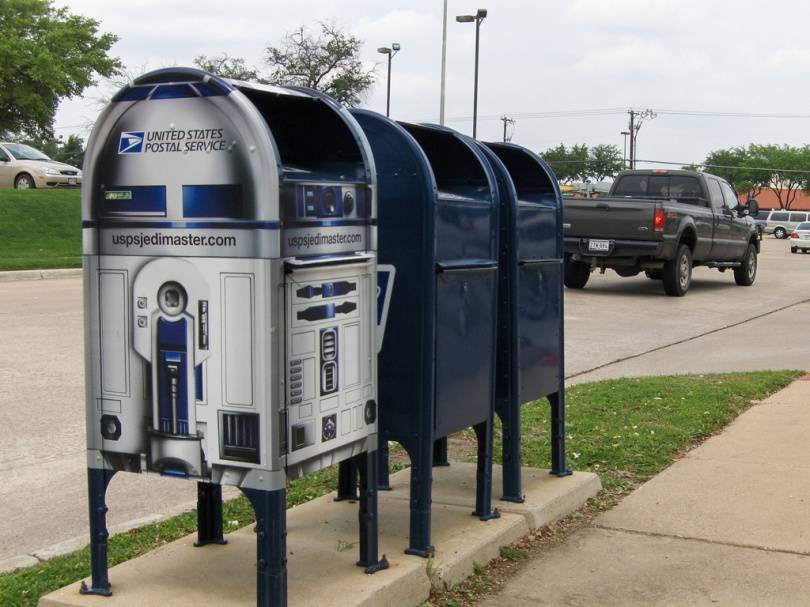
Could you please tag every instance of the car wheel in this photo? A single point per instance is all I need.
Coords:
(780, 233)
(24, 182)
(746, 273)
(654, 274)
(677, 273)
(794, 250)
(576, 274)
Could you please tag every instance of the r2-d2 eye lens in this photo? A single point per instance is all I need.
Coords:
(172, 298)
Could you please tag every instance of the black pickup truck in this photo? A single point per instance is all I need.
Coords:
(662, 223)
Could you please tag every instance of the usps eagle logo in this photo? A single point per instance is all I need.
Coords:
(131, 142)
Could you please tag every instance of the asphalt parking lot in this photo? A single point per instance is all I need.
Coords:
(614, 327)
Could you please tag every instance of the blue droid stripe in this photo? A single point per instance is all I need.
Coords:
(130, 200)
(203, 201)
(212, 88)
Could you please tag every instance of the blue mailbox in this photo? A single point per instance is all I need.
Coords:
(438, 226)
(530, 359)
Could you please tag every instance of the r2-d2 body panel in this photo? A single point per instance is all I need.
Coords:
(230, 282)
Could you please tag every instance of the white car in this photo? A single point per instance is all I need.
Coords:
(800, 238)
(23, 167)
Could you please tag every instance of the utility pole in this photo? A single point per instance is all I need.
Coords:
(635, 127)
(506, 120)
(444, 63)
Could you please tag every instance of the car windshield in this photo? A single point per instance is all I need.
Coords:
(804, 226)
(20, 151)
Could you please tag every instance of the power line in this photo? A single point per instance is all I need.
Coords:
(583, 113)
(682, 164)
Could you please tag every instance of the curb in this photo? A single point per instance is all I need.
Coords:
(21, 275)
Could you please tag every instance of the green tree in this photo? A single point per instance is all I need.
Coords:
(328, 62)
(788, 169)
(570, 164)
(70, 151)
(46, 54)
(604, 161)
(228, 67)
(738, 167)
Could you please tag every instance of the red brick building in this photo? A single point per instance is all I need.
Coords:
(767, 200)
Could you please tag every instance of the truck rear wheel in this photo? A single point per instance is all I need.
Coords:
(746, 273)
(576, 274)
(677, 272)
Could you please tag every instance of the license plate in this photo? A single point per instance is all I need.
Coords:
(72, 180)
(599, 246)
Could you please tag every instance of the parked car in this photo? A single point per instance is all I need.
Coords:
(761, 220)
(781, 223)
(662, 223)
(800, 238)
(23, 167)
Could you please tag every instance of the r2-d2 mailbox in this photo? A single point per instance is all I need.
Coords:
(230, 289)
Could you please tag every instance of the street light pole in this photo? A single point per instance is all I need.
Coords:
(390, 52)
(444, 63)
(478, 17)
(624, 154)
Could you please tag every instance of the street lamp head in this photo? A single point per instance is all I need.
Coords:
(384, 50)
(625, 133)
(481, 14)
(396, 46)
(465, 18)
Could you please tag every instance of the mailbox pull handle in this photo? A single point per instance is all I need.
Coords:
(466, 264)
(291, 264)
(530, 263)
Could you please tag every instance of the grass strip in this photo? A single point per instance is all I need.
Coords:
(40, 229)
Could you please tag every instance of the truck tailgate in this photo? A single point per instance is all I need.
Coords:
(609, 218)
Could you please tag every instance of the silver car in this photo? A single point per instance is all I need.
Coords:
(800, 238)
(781, 223)
(23, 167)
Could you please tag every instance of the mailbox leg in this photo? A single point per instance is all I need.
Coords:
(557, 400)
(483, 473)
(347, 481)
(383, 475)
(97, 482)
(512, 484)
(421, 454)
(366, 464)
(209, 514)
(271, 546)
(440, 452)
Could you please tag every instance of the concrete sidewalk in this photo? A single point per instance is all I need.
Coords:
(728, 524)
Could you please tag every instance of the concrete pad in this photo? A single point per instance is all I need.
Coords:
(548, 498)
(728, 501)
(321, 553)
(322, 550)
(600, 567)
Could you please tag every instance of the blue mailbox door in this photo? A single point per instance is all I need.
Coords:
(530, 340)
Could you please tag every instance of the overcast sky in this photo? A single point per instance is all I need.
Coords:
(737, 56)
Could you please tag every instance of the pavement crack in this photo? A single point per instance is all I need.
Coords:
(687, 339)
(702, 540)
